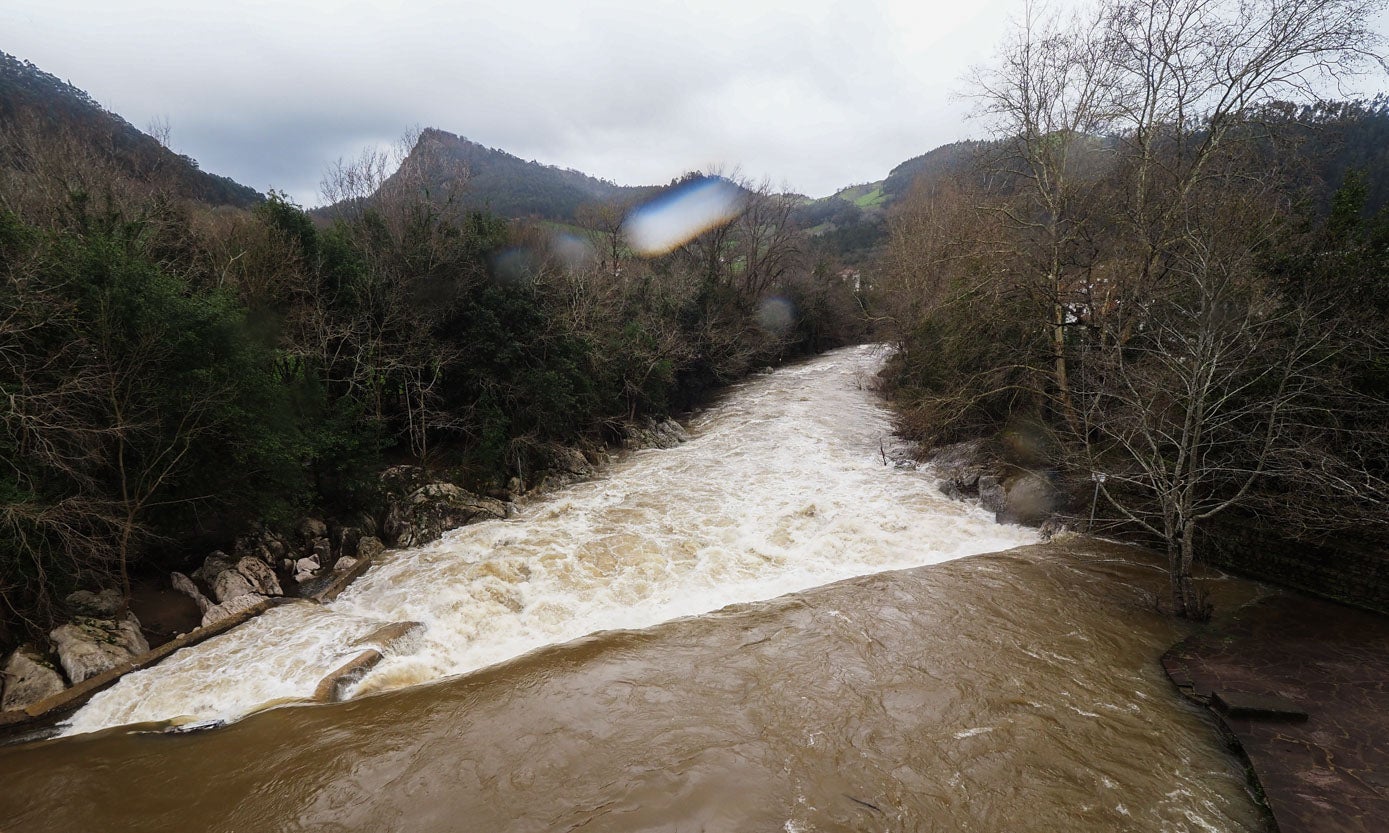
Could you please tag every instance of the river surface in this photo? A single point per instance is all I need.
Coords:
(570, 675)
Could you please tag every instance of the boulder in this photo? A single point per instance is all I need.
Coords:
(27, 678)
(261, 578)
(404, 479)
(992, 495)
(87, 647)
(104, 605)
(230, 584)
(322, 549)
(1029, 498)
(570, 461)
(344, 564)
(370, 547)
(215, 564)
(185, 585)
(426, 513)
(345, 540)
(666, 433)
(306, 568)
(231, 607)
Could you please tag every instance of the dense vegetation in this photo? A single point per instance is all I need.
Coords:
(55, 112)
(1163, 285)
(174, 372)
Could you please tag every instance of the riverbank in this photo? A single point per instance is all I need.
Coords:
(1013, 691)
(43, 684)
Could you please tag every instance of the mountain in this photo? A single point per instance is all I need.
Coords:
(38, 110)
(502, 183)
(852, 222)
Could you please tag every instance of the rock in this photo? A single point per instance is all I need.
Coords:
(671, 428)
(991, 492)
(231, 607)
(275, 546)
(310, 528)
(664, 434)
(390, 636)
(87, 647)
(1029, 498)
(321, 549)
(230, 584)
(429, 511)
(259, 575)
(338, 681)
(402, 480)
(28, 678)
(103, 605)
(345, 540)
(216, 563)
(344, 564)
(1051, 528)
(184, 584)
(370, 547)
(306, 568)
(570, 460)
(948, 458)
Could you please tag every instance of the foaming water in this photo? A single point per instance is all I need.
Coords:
(783, 487)
(1016, 692)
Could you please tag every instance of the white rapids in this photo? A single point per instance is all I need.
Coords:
(781, 488)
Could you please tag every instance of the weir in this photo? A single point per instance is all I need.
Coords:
(782, 487)
(763, 629)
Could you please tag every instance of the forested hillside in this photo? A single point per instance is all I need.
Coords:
(1165, 315)
(40, 110)
(503, 184)
(177, 371)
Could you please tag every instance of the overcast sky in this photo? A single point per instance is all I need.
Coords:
(814, 95)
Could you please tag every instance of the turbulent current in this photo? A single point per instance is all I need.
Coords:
(840, 682)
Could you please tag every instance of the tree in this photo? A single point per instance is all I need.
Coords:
(1148, 204)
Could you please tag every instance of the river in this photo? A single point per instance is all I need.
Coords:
(754, 631)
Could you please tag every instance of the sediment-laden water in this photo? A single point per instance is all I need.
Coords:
(783, 487)
(1009, 692)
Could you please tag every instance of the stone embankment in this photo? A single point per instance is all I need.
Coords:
(104, 640)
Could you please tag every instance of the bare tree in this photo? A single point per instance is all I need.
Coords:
(1186, 379)
(1051, 97)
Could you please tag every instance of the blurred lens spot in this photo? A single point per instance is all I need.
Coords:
(515, 265)
(681, 214)
(572, 252)
(776, 315)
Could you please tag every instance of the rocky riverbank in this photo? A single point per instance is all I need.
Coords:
(1015, 494)
(314, 560)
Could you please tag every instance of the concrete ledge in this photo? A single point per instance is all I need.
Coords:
(1266, 706)
(1319, 766)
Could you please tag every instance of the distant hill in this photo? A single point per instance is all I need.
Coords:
(56, 111)
(852, 222)
(504, 184)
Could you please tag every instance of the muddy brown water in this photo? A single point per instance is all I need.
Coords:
(1017, 691)
(769, 628)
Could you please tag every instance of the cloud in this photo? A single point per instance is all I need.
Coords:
(814, 94)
